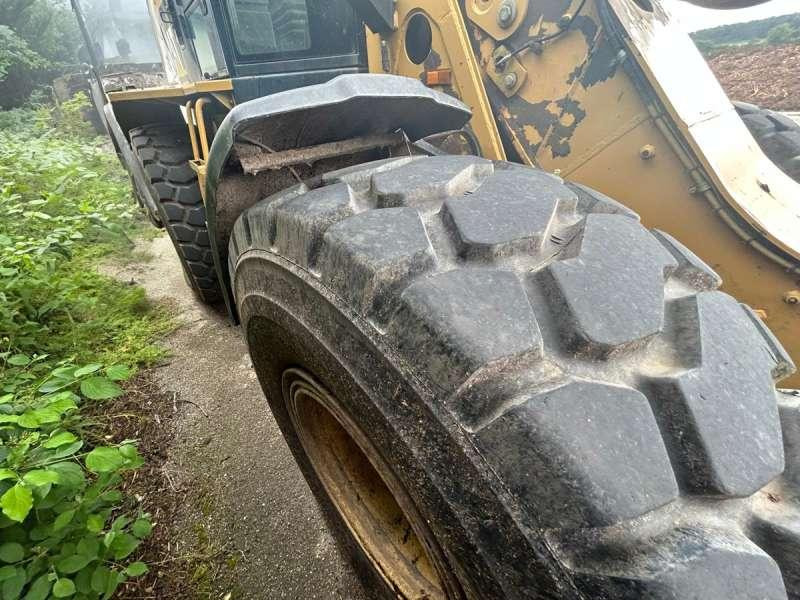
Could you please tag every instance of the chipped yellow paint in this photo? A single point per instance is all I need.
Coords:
(610, 123)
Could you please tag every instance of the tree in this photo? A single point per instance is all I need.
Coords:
(48, 26)
(783, 34)
(38, 40)
(20, 68)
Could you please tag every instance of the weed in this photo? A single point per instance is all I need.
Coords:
(69, 337)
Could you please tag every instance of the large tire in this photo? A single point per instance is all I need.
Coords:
(561, 402)
(777, 134)
(164, 150)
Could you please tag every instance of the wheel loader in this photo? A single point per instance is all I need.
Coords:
(497, 378)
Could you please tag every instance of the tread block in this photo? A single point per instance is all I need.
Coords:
(582, 455)
(301, 222)
(783, 366)
(258, 222)
(188, 195)
(759, 124)
(202, 239)
(147, 154)
(367, 256)
(200, 269)
(691, 268)
(182, 173)
(191, 252)
(611, 295)
(424, 182)
(782, 146)
(155, 171)
(681, 564)
(789, 410)
(455, 322)
(360, 176)
(744, 108)
(511, 211)
(197, 216)
(173, 211)
(592, 201)
(777, 531)
(183, 233)
(782, 122)
(721, 417)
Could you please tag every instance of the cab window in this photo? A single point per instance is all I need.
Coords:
(278, 29)
(205, 39)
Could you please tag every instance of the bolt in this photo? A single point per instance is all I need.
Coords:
(506, 14)
(510, 80)
(647, 152)
(792, 297)
(565, 21)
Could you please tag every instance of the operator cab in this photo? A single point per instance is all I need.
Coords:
(264, 46)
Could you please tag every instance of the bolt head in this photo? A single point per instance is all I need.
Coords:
(647, 152)
(510, 80)
(506, 14)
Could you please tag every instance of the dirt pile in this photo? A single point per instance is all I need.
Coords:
(765, 75)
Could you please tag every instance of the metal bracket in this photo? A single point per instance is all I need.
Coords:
(377, 14)
(499, 18)
(511, 76)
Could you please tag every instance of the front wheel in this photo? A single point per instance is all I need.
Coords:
(164, 152)
(499, 385)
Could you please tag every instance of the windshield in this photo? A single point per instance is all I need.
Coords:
(122, 32)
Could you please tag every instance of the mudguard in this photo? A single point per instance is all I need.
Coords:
(344, 108)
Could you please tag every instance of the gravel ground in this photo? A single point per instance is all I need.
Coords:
(763, 75)
(248, 516)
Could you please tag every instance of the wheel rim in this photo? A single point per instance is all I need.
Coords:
(368, 496)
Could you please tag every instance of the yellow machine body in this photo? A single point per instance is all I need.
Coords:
(624, 103)
(616, 98)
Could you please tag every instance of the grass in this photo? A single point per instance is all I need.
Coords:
(69, 339)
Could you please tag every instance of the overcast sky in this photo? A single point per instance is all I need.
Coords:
(694, 17)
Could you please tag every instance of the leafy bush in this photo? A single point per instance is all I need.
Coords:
(69, 337)
(20, 68)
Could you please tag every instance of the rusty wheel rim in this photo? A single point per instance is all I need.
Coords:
(366, 493)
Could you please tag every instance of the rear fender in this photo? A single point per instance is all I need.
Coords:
(345, 108)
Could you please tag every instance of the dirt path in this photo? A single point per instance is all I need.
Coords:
(248, 516)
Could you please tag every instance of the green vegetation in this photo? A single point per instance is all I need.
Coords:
(38, 38)
(784, 29)
(69, 338)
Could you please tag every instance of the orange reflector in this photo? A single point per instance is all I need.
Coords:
(439, 77)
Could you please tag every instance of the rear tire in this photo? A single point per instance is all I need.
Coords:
(164, 152)
(777, 134)
(563, 397)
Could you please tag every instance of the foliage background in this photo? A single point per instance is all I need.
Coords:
(39, 39)
(69, 339)
(784, 29)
